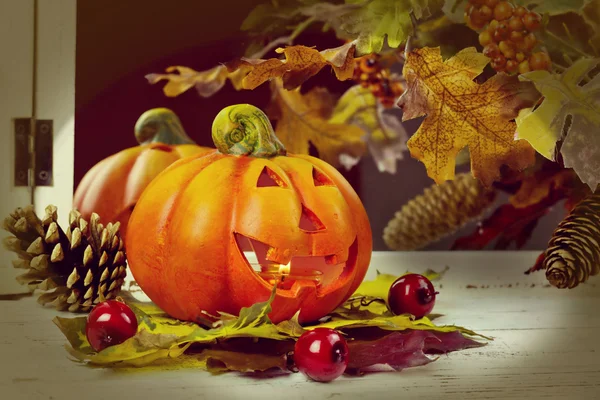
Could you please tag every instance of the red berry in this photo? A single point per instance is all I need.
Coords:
(321, 354)
(412, 294)
(109, 323)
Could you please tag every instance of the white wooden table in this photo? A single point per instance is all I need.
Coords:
(547, 345)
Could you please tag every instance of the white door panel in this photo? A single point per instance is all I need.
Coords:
(54, 100)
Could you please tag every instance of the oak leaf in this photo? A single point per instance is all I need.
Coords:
(571, 105)
(300, 63)
(305, 118)
(460, 112)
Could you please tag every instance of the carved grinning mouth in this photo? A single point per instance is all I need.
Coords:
(304, 270)
(319, 271)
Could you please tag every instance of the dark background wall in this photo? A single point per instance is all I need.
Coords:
(118, 42)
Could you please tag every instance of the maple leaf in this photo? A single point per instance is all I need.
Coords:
(305, 118)
(385, 135)
(300, 63)
(460, 112)
(572, 106)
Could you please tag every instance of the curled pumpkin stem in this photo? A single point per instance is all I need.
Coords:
(244, 129)
(160, 125)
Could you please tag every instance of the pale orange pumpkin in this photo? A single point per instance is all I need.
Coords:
(189, 228)
(112, 187)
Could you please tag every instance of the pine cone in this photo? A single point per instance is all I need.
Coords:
(573, 253)
(76, 269)
(438, 212)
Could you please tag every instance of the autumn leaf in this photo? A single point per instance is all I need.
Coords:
(536, 185)
(371, 23)
(571, 105)
(380, 22)
(460, 112)
(385, 135)
(206, 82)
(299, 64)
(399, 350)
(160, 337)
(305, 118)
(380, 286)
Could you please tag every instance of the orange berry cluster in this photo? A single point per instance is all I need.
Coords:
(370, 73)
(507, 34)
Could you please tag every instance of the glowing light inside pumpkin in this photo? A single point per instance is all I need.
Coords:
(281, 274)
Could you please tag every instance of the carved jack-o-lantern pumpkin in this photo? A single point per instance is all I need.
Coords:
(190, 227)
(112, 187)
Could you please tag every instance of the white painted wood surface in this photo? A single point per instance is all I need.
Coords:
(546, 346)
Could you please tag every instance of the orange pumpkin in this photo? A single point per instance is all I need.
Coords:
(187, 233)
(112, 187)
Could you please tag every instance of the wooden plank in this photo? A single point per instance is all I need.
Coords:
(16, 72)
(545, 347)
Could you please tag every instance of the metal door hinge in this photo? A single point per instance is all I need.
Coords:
(33, 152)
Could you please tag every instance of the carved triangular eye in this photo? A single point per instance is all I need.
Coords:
(320, 179)
(309, 221)
(268, 178)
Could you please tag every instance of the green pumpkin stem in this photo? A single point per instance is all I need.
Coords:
(243, 129)
(160, 125)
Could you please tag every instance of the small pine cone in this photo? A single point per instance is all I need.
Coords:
(76, 269)
(573, 253)
(438, 212)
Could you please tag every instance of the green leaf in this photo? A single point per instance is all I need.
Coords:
(160, 336)
(381, 21)
(248, 342)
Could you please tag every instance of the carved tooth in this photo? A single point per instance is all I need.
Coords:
(104, 238)
(52, 233)
(40, 262)
(102, 289)
(122, 271)
(36, 247)
(74, 277)
(114, 274)
(57, 254)
(89, 277)
(120, 244)
(112, 286)
(88, 255)
(75, 238)
(119, 258)
(21, 225)
(89, 293)
(88, 303)
(104, 275)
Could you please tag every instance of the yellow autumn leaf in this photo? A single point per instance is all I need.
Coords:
(299, 64)
(571, 104)
(460, 112)
(385, 136)
(303, 118)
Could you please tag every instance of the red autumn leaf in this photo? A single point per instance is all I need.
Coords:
(399, 350)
